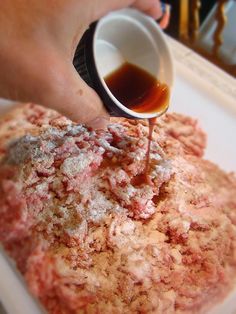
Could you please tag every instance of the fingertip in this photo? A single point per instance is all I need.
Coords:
(99, 123)
(155, 12)
(149, 7)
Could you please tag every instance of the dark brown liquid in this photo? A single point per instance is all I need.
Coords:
(137, 89)
(141, 92)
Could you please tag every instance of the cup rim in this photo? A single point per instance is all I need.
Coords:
(130, 13)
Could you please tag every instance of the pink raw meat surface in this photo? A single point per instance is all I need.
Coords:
(90, 237)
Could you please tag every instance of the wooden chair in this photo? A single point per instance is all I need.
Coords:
(189, 26)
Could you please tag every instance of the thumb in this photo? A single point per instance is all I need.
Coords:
(43, 75)
(72, 97)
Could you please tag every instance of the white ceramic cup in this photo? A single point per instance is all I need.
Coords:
(123, 36)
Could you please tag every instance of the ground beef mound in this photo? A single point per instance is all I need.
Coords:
(90, 236)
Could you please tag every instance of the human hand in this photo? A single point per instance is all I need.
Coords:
(37, 44)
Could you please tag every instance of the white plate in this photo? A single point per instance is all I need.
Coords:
(202, 91)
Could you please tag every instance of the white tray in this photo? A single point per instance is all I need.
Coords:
(205, 92)
(201, 90)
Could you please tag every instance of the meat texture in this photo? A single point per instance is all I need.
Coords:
(91, 236)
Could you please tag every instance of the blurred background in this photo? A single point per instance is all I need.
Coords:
(208, 27)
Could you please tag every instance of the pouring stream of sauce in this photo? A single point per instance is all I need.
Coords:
(141, 92)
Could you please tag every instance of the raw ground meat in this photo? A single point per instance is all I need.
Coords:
(90, 236)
